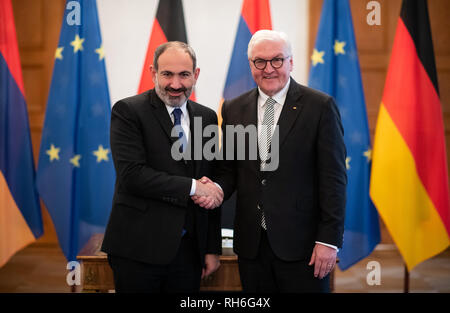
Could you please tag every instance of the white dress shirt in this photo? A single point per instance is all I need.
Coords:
(185, 124)
(279, 97)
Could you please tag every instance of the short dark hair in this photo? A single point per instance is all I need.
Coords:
(174, 44)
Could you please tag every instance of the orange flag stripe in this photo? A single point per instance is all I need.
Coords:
(14, 231)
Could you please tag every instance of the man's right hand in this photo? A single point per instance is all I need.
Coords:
(207, 194)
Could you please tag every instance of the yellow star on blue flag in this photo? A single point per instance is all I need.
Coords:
(75, 161)
(77, 44)
(101, 154)
(58, 53)
(339, 47)
(101, 53)
(53, 153)
(317, 57)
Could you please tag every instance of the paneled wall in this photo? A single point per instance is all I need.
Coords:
(374, 47)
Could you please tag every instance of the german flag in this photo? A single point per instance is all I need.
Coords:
(167, 26)
(409, 183)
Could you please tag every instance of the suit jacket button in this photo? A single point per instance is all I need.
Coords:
(264, 182)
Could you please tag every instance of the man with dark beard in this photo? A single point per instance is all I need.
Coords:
(157, 239)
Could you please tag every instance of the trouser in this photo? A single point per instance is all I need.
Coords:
(181, 275)
(268, 273)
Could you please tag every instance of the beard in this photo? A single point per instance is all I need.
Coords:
(173, 101)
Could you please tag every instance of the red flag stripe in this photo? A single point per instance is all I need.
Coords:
(416, 111)
(8, 43)
(157, 38)
(168, 25)
(257, 14)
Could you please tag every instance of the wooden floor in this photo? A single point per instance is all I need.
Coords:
(41, 268)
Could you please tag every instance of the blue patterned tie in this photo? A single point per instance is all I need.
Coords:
(177, 123)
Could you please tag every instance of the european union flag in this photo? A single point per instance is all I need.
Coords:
(335, 71)
(75, 176)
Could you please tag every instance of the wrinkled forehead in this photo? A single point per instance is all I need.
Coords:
(175, 60)
(269, 48)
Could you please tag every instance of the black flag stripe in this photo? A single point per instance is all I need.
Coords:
(414, 14)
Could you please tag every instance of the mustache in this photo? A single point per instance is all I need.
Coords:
(169, 89)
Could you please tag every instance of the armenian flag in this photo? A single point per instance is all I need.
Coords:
(20, 211)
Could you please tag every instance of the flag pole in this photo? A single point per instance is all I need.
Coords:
(406, 280)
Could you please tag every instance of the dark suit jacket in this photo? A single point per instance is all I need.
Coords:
(151, 198)
(304, 198)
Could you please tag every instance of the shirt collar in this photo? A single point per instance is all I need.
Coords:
(279, 97)
(183, 109)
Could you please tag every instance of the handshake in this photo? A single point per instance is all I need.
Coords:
(207, 194)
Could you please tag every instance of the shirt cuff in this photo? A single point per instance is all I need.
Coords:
(193, 187)
(328, 245)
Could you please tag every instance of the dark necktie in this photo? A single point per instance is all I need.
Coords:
(181, 135)
(177, 123)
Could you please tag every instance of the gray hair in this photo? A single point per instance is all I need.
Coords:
(268, 35)
(174, 44)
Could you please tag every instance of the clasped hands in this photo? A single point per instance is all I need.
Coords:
(207, 194)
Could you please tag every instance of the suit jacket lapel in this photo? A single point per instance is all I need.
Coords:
(251, 118)
(291, 110)
(160, 111)
(251, 109)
